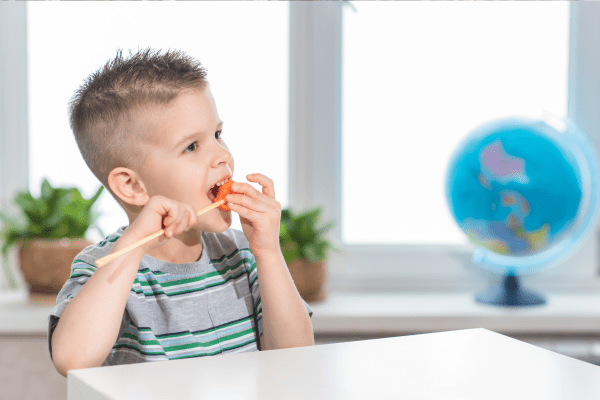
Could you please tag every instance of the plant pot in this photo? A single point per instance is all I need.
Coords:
(309, 278)
(46, 265)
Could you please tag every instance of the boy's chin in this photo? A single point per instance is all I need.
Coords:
(221, 224)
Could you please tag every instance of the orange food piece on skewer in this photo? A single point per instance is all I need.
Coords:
(224, 190)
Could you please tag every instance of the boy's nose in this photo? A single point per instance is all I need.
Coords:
(223, 156)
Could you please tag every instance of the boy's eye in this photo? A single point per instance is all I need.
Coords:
(217, 136)
(193, 144)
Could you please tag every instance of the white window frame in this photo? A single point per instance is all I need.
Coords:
(315, 150)
(315, 162)
(14, 144)
(14, 154)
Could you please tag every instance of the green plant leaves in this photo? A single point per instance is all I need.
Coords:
(58, 213)
(290, 251)
(299, 237)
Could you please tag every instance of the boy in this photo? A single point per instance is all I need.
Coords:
(148, 129)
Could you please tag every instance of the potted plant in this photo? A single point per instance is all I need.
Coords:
(305, 251)
(50, 233)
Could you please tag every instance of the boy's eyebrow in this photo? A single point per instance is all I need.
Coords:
(188, 137)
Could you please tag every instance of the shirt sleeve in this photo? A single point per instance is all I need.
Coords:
(80, 273)
(255, 290)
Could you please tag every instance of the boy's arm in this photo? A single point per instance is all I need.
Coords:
(286, 322)
(88, 327)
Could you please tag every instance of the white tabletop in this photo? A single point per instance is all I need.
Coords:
(463, 364)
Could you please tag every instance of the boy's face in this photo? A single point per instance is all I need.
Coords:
(187, 157)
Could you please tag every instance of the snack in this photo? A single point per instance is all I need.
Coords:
(224, 190)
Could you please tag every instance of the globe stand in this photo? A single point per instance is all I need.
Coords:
(508, 292)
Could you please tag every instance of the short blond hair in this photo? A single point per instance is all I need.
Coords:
(102, 110)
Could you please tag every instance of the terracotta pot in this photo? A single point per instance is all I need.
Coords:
(309, 278)
(46, 265)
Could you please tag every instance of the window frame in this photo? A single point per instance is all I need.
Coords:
(315, 150)
(14, 153)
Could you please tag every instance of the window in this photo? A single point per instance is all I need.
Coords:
(416, 80)
(318, 92)
(343, 66)
(64, 47)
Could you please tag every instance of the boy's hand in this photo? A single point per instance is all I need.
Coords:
(259, 213)
(162, 213)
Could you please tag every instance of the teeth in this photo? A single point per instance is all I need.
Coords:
(224, 181)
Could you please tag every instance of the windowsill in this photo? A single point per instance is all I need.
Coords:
(389, 313)
(19, 316)
(409, 313)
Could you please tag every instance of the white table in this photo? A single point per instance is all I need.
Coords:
(463, 364)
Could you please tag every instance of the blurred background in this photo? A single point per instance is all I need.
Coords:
(355, 107)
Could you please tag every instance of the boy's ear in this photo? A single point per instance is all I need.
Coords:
(128, 185)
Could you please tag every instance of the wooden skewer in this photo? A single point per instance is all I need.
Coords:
(106, 259)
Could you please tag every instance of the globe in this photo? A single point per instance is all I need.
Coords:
(525, 193)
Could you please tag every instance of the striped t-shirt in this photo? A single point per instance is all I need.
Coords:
(211, 306)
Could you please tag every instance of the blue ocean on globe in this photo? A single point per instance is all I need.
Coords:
(524, 191)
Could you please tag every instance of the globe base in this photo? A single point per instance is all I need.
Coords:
(508, 292)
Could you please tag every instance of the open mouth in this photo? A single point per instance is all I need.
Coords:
(214, 191)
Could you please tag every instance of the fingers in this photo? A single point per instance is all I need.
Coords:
(193, 216)
(245, 188)
(248, 214)
(250, 198)
(183, 219)
(243, 212)
(256, 203)
(268, 187)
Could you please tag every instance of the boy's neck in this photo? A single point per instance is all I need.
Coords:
(180, 249)
(183, 256)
